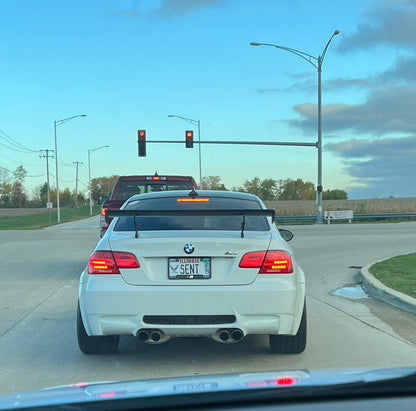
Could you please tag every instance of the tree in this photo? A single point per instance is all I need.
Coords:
(212, 183)
(266, 189)
(269, 189)
(18, 195)
(334, 195)
(66, 198)
(102, 186)
(5, 188)
(296, 190)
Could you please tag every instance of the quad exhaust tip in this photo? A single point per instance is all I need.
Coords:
(152, 336)
(222, 335)
(228, 335)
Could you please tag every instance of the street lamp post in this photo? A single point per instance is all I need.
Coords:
(55, 124)
(89, 173)
(317, 63)
(198, 123)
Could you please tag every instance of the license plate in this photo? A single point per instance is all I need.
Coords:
(189, 268)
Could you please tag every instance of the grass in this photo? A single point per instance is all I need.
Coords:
(398, 273)
(36, 221)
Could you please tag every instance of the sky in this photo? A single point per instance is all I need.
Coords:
(129, 64)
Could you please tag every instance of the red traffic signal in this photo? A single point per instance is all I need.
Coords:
(141, 141)
(189, 139)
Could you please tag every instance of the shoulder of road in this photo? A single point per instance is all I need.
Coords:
(390, 296)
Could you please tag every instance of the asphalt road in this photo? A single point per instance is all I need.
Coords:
(39, 273)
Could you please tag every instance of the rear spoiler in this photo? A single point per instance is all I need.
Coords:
(204, 213)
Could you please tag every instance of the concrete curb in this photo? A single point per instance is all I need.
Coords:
(380, 291)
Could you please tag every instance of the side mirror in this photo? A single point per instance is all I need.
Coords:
(286, 234)
(102, 200)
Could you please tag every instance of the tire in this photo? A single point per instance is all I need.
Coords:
(290, 344)
(95, 345)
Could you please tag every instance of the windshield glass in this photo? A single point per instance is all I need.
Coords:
(129, 188)
(304, 107)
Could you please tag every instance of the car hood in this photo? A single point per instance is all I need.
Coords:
(222, 388)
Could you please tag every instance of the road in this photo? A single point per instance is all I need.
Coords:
(39, 273)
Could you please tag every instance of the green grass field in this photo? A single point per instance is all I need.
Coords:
(398, 273)
(36, 221)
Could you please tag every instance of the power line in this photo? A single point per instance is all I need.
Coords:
(17, 146)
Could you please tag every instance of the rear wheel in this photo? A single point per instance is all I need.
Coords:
(95, 345)
(290, 344)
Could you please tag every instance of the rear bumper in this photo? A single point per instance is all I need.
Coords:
(109, 306)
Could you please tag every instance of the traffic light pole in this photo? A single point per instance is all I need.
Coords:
(254, 143)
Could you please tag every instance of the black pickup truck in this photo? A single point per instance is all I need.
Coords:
(127, 186)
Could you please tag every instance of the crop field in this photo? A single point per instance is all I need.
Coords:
(368, 206)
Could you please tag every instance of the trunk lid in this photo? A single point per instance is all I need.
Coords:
(214, 260)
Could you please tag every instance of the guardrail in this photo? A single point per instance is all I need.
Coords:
(380, 216)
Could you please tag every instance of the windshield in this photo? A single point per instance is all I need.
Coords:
(126, 189)
(305, 108)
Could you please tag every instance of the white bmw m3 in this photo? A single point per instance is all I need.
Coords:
(199, 263)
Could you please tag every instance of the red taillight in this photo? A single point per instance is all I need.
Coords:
(108, 262)
(125, 260)
(252, 260)
(104, 211)
(270, 262)
(277, 262)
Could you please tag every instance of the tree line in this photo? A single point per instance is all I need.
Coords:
(13, 194)
(270, 189)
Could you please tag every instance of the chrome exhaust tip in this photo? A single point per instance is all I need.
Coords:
(152, 336)
(224, 335)
(237, 335)
(228, 335)
(155, 336)
(143, 335)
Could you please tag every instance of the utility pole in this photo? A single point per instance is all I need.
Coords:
(76, 183)
(47, 156)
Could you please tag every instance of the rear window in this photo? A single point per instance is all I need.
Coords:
(126, 189)
(223, 223)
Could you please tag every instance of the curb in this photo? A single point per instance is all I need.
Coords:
(380, 291)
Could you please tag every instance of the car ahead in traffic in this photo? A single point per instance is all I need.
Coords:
(180, 263)
(126, 186)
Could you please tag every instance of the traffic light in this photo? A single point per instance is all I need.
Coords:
(189, 139)
(141, 141)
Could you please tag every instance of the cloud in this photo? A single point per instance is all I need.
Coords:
(403, 70)
(390, 22)
(383, 168)
(343, 83)
(389, 110)
(169, 9)
(177, 8)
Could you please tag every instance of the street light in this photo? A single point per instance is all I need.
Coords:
(198, 123)
(89, 173)
(58, 123)
(317, 63)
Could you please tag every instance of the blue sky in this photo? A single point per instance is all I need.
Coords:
(128, 64)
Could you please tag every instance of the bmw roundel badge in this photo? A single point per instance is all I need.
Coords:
(189, 248)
